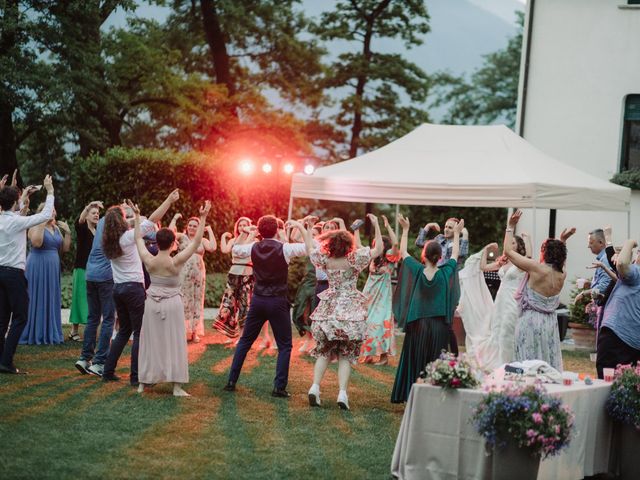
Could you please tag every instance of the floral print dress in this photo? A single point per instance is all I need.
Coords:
(339, 321)
(537, 336)
(380, 330)
(193, 277)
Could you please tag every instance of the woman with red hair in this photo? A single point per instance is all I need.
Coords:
(339, 321)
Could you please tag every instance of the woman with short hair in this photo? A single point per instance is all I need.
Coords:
(85, 230)
(163, 345)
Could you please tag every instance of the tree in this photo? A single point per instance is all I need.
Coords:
(378, 82)
(491, 94)
(27, 87)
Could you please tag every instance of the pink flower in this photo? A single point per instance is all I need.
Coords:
(537, 418)
(452, 363)
(531, 433)
(557, 429)
(455, 382)
(545, 407)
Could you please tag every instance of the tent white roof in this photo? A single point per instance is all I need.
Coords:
(450, 165)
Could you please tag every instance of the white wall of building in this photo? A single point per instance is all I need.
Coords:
(584, 60)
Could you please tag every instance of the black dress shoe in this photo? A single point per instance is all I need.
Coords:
(12, 370)
(280, 393)
(229, 387)
(110, 378)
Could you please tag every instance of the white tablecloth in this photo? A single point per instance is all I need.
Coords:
(437, 440)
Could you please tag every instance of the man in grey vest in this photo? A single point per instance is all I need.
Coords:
(270, 259)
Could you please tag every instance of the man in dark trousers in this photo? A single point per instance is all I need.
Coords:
(270, 259)
(14, 295)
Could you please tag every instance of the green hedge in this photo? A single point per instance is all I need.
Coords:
(147, 176)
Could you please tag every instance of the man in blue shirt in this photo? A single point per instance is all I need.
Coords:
(101, 305)
(619, 338)
(600, 281)
(445, 240)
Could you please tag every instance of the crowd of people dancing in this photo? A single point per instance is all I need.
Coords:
(152, 279)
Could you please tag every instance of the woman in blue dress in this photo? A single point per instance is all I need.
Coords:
(44, 325)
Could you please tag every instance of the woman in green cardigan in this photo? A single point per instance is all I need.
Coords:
(423, 305)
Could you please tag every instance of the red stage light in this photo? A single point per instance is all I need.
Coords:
(246, 167)
(309, 169)
(288, 168)
(266, 168)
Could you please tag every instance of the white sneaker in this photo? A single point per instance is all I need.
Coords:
(83, 366)
(314, 395)
(343, 400)
(96, 369)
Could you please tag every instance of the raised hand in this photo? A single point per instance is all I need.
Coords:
(567, 233)
(174, 196)
(97, 204)
(432, 226)
(3, 181)
(177, 216)
(134, 208)
(64, 227)
(490, 246)
(459, 226)
(226, 235)
(515, 218)
(403, 221)
(372, 218)
(48, 184)
(386, 222)
(204, 210)
(14, 178)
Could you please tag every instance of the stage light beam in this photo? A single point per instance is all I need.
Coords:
(288, 168)
(266, 168)
(246, 167)
(309, 169)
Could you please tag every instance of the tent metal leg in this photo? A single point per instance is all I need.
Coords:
(397, 224)
(290, 206)
(628, 223)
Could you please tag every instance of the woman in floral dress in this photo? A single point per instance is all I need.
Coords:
(380, 330)
(339, 321)
(536, 334)
(234, 305)
(193, 277)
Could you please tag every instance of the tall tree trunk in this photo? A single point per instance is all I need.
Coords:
(356, 128)
(8, 159)
(217, 44)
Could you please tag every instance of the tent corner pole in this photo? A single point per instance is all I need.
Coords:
(628, 223)
(290, 206)
(397, 229)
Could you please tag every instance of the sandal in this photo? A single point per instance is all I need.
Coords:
(75, 337)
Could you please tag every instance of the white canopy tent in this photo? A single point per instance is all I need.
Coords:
(465, 166)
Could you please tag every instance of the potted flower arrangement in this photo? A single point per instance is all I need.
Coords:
(582, 318)
(450, 371)
(522, 425)
(623, 405)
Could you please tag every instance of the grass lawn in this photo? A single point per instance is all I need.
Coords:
(56, 423)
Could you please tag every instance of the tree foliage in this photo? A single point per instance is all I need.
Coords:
(385, 91)
(490, 94)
